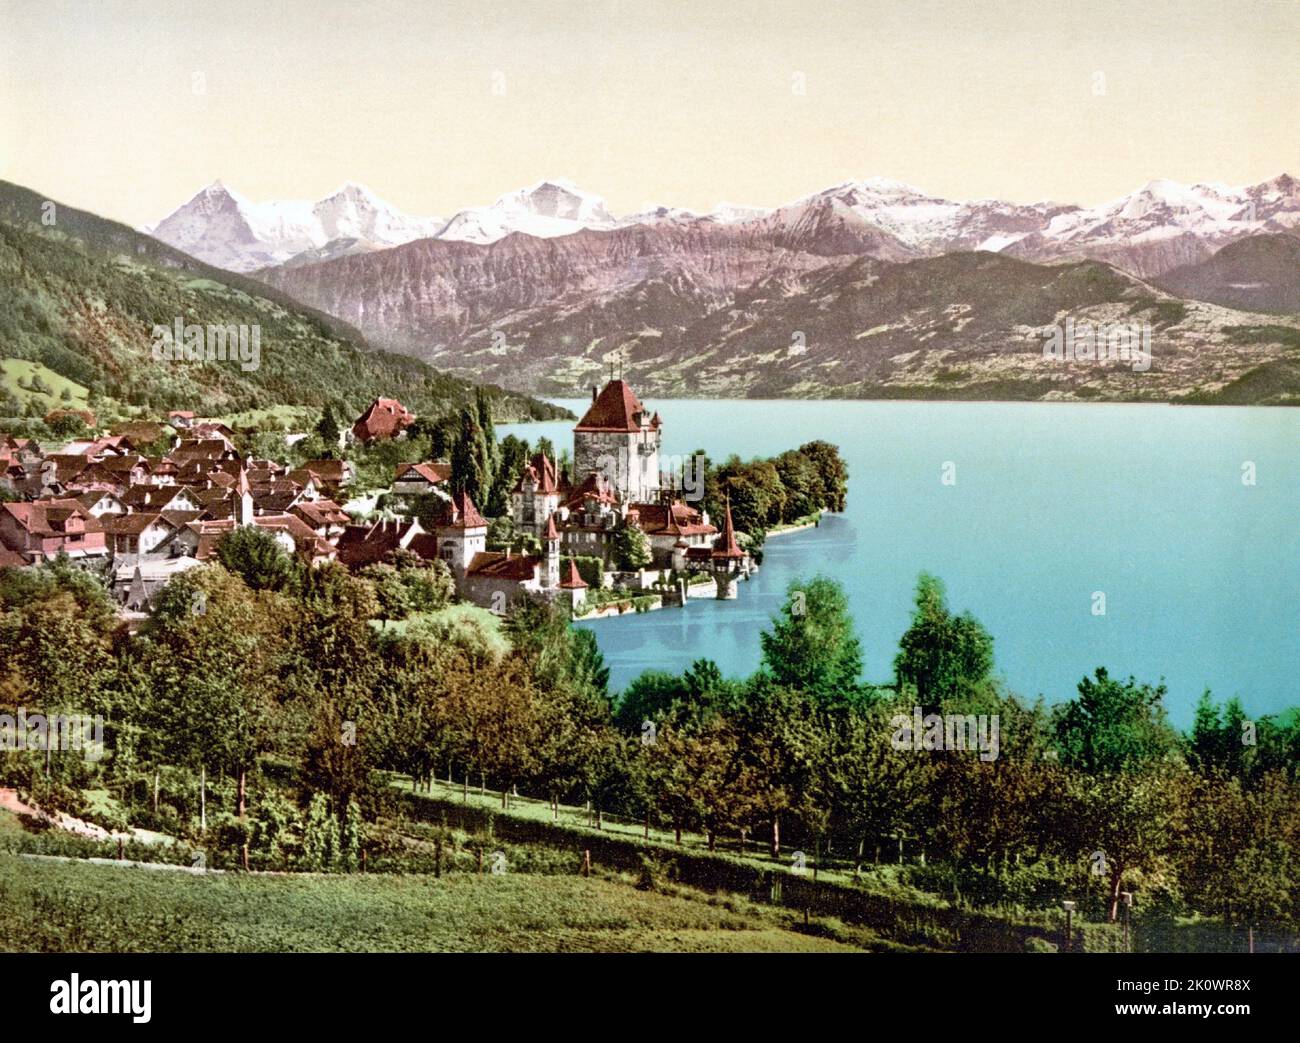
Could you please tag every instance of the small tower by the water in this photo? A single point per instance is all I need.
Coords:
(728, 559)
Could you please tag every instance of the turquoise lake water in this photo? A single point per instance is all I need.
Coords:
(1052, 502)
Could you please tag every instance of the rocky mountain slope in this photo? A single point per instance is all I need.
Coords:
(701, 309)
(1261, 273)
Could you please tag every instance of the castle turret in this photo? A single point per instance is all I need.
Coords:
(243, 499)
(462, 533)
(551, 541)
(728, 560)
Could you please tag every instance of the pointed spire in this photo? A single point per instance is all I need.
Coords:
(571, 580)
(551, 533)
(728, 548)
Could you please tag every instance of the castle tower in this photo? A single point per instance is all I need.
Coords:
(728, 559)
(551, 541)
(619, 438)
(536, 494)
(462, 533)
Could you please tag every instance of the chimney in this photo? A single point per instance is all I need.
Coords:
(593, 393)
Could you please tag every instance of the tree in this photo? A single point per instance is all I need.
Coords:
(328, 428)
(257, 558)
(833, 470)
(784, 745)
(803, 485)
(632, 548)
(1117, 741)
(471, 469)
(335, 762)
(1114, 726)
(215, 655)
(811, 645)
(944, 656)
(512, 456)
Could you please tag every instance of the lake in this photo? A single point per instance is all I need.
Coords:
(1051, 503)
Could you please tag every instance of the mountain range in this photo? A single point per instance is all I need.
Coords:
(1160, 226)
(914, 301)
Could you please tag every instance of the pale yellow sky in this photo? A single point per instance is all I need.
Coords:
(646, 101)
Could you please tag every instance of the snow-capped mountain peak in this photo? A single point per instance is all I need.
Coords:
(222, 227)
(549, 208)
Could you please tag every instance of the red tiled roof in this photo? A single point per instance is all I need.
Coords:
(132, 524)
(333, 471)
(11, 559)
(362, 545)
(615, 409)
(571, 580)
(540, 470)
(496, 565)
(728, 547)
(460, 513)
(676, 519)
(384, 418)
(320, 512)
(307, 544)
(551, 533)
(49, 518)
(594, 487)
(434, 473)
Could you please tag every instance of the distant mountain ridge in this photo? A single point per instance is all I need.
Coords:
(703, 310)
(1160, 226)
(1261, 273)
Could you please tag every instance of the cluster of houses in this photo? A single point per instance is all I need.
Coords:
(145, 518)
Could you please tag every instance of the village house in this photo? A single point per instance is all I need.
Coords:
(427, 479)
(44, 529)
(383, 419)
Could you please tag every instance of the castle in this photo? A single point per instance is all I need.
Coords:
(618, 483)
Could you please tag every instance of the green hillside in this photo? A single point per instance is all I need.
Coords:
(80, 297)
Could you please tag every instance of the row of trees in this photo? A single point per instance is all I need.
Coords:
(768, 492)
(238, 663)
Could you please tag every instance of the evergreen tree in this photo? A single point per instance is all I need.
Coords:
(328, 428)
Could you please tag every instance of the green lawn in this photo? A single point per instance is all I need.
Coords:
(13, 370)
(50, 906)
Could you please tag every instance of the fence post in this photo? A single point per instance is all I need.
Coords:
(586, 862)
